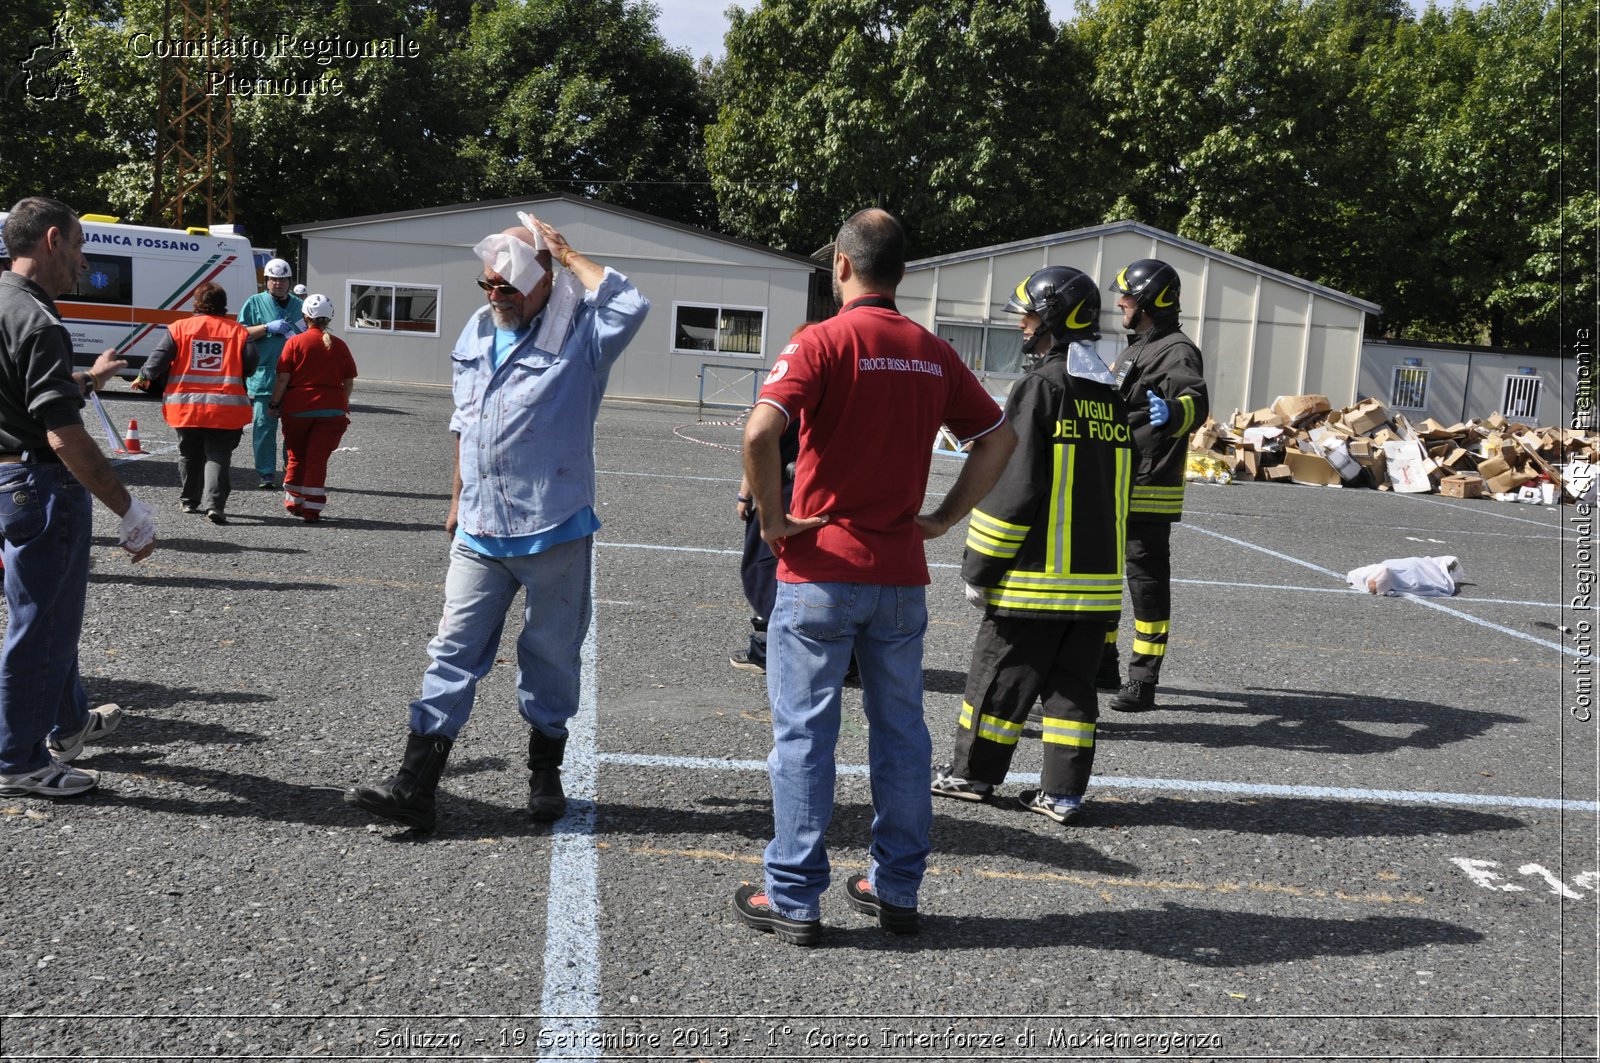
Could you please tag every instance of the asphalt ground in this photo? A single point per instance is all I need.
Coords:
(1355, 828)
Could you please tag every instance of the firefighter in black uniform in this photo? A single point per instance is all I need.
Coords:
(1159, 359)
(1044, 555)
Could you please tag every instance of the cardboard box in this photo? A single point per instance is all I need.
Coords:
(1494, 466)
(1460, 486)
(1408, 467)
(1365, 416)
(1246, 463)
(1507, 482)
(1311, 469)
(1332, 446)
(1299, 409)
(1277, 474)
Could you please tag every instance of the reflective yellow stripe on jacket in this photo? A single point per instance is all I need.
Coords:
(993, 536)
(1165, 501)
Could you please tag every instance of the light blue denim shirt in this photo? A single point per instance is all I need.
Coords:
(527, 428)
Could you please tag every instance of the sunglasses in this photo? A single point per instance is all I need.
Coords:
(498, 289)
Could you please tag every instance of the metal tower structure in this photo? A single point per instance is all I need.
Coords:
(194, 123)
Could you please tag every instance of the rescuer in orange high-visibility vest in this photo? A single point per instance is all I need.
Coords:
(206, 359)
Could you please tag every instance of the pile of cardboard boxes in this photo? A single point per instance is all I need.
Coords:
(1302, 439)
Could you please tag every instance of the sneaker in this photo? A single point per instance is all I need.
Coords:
(892, 917)
(746, 663)
(55, 779)
(1136, 696)
(1060, 809)
(1109, 677)
(750, 904)
(103, 719)
(189, 507)
(948, 785)
(216, 516)
(266, 484)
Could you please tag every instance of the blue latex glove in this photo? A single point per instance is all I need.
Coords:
(280, 328)
(1158, 409)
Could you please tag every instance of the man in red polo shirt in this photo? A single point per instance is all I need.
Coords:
(870, 389)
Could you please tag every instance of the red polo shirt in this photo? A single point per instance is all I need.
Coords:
(870, 388)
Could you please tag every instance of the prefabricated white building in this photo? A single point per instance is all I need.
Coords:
(403, 285)
(1263, 332)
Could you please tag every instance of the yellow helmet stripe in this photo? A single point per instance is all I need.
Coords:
(1074, 323)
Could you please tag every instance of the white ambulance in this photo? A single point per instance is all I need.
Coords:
(141, 279)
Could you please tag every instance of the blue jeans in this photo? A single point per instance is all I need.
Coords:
(264, 437)
(478, 592)
(46, 521)
(813, 630)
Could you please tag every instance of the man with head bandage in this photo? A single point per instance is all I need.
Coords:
(521, 508)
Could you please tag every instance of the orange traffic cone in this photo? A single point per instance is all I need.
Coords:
(131, 440)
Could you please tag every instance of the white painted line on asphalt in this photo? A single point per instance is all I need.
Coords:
(1117, 782)
(1483, 512)
(1194, 582)
(669, 476)
(1457, 613)
(1347, 590)
(570, 1003)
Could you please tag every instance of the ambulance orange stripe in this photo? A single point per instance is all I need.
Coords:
(121, 315)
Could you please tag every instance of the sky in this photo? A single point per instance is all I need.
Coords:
(698, 25)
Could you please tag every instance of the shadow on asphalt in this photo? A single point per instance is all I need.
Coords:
(1201, 937)
(1305, 817)
(197, 583)
(751, 818)
(1301, 720)
(210, 546)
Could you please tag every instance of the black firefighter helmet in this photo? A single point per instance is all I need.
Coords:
(1154, 285)
(1066, 301)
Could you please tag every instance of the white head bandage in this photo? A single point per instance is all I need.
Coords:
(511, 258)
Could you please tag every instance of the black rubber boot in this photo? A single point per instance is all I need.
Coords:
(408, 796)
(546, 800)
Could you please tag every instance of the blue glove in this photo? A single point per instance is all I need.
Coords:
(280, 328)
(1158, 409)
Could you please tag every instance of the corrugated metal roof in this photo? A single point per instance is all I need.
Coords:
(788, 257)
(1156, 234)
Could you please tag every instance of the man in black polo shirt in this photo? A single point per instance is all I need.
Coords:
(47, 461)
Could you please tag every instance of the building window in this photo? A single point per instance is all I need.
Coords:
(1410, 390)
(995, 350)
(737, 330)
(1521, 401)
(378, 306)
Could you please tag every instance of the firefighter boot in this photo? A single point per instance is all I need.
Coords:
(546, 801)
(408, 796)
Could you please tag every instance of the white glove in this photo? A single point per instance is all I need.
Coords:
(138, 528)
(977, 597)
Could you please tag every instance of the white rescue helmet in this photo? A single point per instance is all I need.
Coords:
(317, 307)
(298, 291)
(277, 269)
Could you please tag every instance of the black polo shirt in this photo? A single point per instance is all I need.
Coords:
(37, 392)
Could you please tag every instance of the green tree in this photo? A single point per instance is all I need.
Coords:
(584, 97)
(45, 147)
(963, 117)
(1232, 121)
